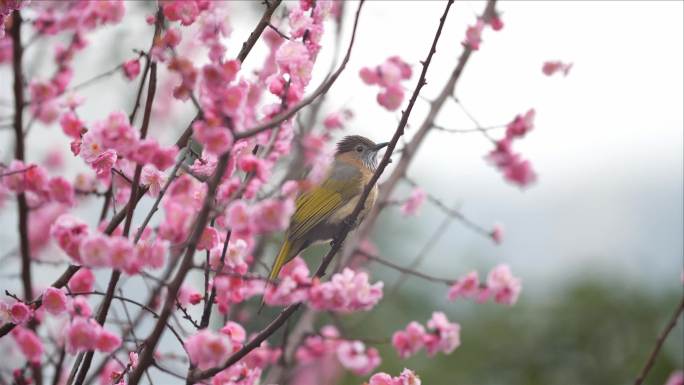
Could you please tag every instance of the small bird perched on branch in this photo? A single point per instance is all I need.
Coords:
(321, 211)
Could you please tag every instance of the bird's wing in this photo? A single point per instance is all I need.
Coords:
(316, 205)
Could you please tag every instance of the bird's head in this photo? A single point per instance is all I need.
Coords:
(356, 147)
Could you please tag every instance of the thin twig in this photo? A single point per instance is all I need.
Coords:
(659, 343)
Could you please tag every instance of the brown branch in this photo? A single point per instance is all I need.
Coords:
(340, 237)
(258, 30)
(19, 103)
(659, 343)
(404, 270)
(17, 171)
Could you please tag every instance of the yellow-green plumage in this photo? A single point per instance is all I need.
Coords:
(320, 211)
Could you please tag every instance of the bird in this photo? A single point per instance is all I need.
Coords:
(321, 211)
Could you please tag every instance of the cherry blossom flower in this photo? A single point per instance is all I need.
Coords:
(497, 233)
(292, 285)
(107, 341)
(347, 291)
(19, 313)
(61, 190)
(521, 125)
(69, 231)
(152, 178)
(29, 344)
(96, 250)
(81, 335)
(82, 281)
(355, 356)
(552, 67)
(676, 378)
(505, 287)
(71, 124)
(443, 336)
(473, 37)
(131, 68)
(409, 341)
(407, 377)
(414, 202)
(273, 214)
(54, 301)
(207, 349)
(466, 287)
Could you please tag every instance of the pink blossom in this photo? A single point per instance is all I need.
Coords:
(133, 359)
(82, 281)
(299, 21)
(292, 284)
(272, 215)
(551, 67)
(381, 379)
(391, 97)
(443, 336)
(676, 378)
(209, 239)
(111, 371)
(521, 125)
(188, 73)
(185, 11)
(71, 124)
(413, 203)
(164, 157)
(291, 56)
(19, 313)
(131, 68)
(497, 233)
(207, 349)
(407, 377)
(215, 139)
(69, 231)
(236, 333)
(369, 76)
(354, 356)
(116, 133)
(466, 287)
(473, 36)
(54, 301)
(79, 307)
(107, 341)
(95, 251)
(251, 164)
(123, 255)
(409, 341)
(81, 335)
(151, 253)
(347, 291)
(239, 217)
(505, 287)
(29, 344)
(152, 178)
(61, 190)
(496, 23)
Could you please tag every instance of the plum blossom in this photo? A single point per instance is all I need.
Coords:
(61, 190)
(152, 178)
(19, 313)
(29, 344)
(273, 215)
(388, 76)
(355, 356)
(443, 336)
(409, 341)
(515, 169)
(82, 281)
(504, 286)
(131, 68)
(96, 251)
(54, 301)
(69, 231)
(207, 348)
(209, 239)
(414, 201)
(497, 233)
(81, 335)
(107, 341)
(466, 287)
(407, 377)
(676, 378)
(292, 285)
(347, 291)
(473, 36)
(215, 139)
(552, 67)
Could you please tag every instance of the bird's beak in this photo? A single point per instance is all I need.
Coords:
(380, 146)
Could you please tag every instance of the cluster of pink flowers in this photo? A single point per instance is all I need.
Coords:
(501, 286)
(440, 336)
(353, 355)
(348, 291)
(388, 77)
(407, 377)
(412, 205)
(100, 250)
(473, 36)
(551, 67)
(514, 168)
(33, 180)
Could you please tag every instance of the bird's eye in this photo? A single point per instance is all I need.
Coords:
(359, 148)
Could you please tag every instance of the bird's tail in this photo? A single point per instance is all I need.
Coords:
(283, 256)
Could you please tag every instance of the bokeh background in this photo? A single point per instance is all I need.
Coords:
(597, 240)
